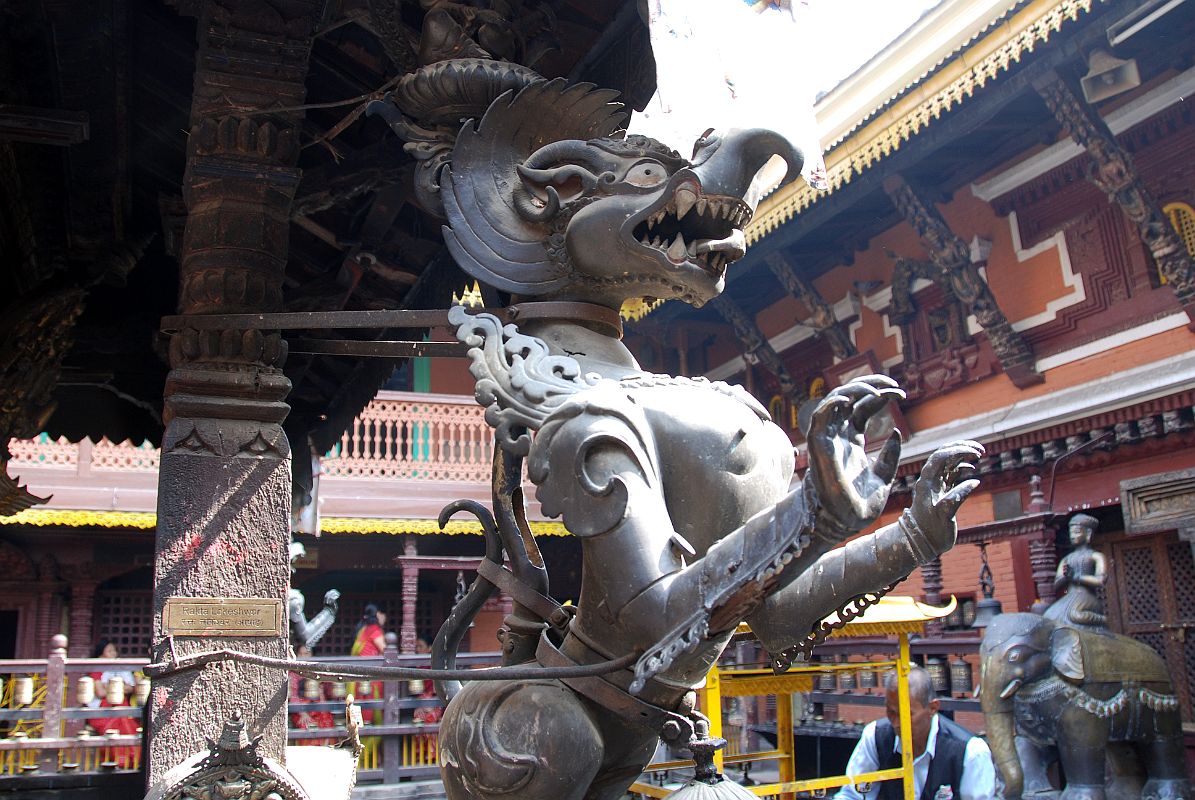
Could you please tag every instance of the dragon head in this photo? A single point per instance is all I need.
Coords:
(545, 197)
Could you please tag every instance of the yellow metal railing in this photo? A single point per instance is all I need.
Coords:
(897, 615)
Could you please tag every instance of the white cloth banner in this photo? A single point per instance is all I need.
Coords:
(717, 67)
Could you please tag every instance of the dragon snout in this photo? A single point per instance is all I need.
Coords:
(733, 168)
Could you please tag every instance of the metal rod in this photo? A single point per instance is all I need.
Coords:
(341, 671)
(311, 320)
(377, 349)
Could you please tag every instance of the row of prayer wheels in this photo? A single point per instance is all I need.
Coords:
(310, 689)
(85, 691)
(22, 690)
(954, 679)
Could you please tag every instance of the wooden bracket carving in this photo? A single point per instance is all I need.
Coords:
(821, 315)
(952, 256)
(756, 349)
(1112, 170)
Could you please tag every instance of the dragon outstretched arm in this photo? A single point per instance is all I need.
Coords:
(849, 578)
(595, 464)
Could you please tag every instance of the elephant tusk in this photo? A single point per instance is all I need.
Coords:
(1010, 689)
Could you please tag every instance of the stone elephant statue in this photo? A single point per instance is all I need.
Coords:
(1056, 692)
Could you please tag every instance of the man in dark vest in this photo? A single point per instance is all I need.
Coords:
(949, 762)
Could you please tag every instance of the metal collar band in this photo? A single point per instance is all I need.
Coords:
(601, 316)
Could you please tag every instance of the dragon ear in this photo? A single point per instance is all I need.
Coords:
(489, 235)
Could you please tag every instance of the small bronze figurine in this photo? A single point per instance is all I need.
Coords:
(1063, 693)
(1081, 575)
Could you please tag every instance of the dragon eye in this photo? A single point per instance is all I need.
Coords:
(646, 173)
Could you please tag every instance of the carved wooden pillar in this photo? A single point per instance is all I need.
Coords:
(408, 636)
(82, 618)
(931, 586)
(1112, 170)
(47, 603)
(1043, 558)
(224, 478)
(756, 349)
(821, 315)
(953, 258)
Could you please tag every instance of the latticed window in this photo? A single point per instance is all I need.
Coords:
(1182, 217)
(126, 619)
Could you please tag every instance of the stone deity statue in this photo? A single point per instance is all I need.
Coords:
(1081, 575)
(678, 488)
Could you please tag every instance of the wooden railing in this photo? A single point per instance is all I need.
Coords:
(415, 437)
(50, 733)
(46, 733)
(399, 435)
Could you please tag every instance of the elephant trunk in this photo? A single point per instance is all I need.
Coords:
(1001, 737)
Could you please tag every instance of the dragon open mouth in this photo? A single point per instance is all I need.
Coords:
(691, 226)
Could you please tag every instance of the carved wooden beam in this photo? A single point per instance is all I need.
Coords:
(1112, 170)
(43, 125)
(952, 256)
(756, 349)
(821, 315)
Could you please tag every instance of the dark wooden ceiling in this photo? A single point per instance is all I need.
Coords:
(106, 214)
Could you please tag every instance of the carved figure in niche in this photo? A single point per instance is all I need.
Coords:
(1081, 575)
(302, 630)
(679, 488)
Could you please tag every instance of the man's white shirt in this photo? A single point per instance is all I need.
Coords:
(979, 773)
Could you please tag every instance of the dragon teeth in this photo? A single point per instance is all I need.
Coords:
(685, 199)
(677, 250)
(702, 204)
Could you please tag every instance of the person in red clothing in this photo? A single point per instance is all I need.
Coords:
(370, 641)
(426, 715)
(125, 757)
(371, 638)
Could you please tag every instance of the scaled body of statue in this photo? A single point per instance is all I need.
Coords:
(1081, 575)
(678, 488)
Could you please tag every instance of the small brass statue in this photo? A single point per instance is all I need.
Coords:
(678, 488)
(1062, 693)
(1081, 574)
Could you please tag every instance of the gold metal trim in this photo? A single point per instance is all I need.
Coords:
(147, 520)
(971, 68)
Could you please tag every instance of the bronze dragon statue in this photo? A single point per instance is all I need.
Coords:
(679, 488)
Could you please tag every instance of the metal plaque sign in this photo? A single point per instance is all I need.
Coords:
(223, 616)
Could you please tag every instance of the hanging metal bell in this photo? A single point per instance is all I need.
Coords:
(986, 610)
(707, 782)
(937, 673)
(960, 676)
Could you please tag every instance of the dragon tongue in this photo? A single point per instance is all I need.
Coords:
(678, 251)
(734, 244)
